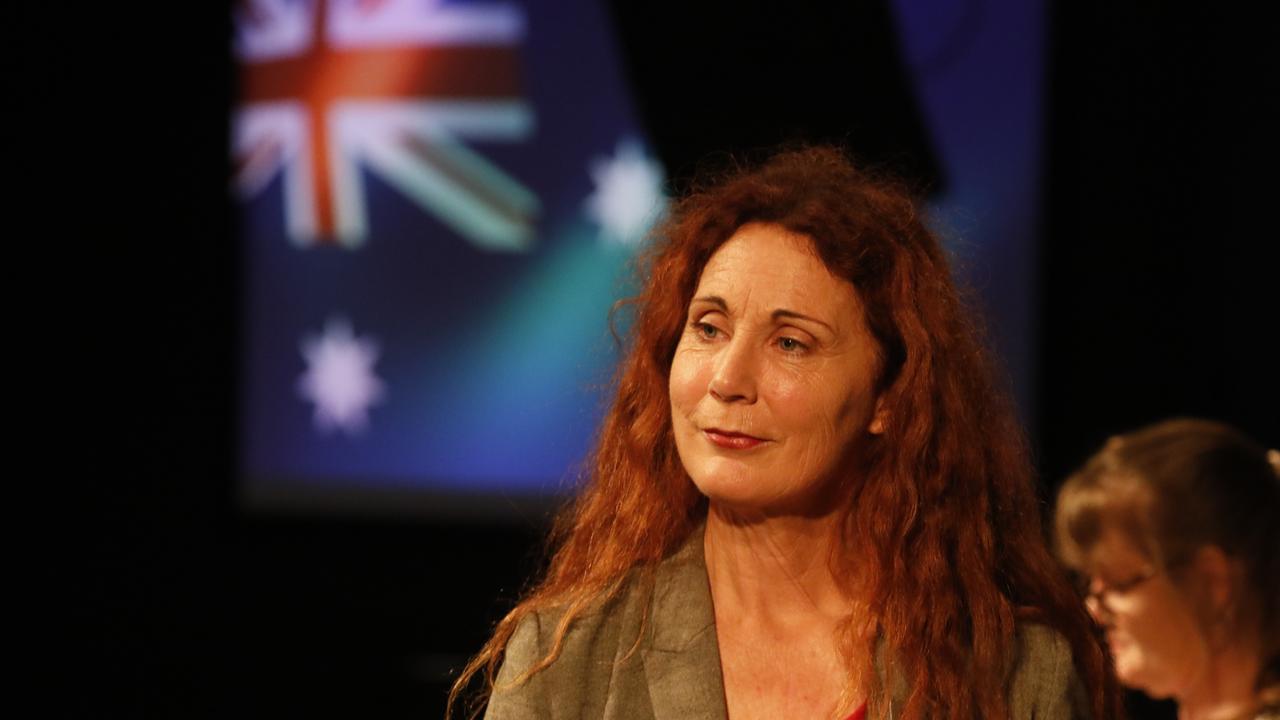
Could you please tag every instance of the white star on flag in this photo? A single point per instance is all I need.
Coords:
(340, 378)
(628, 196)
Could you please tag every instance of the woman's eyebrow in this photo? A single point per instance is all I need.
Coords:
(781, 313)
(778, 314)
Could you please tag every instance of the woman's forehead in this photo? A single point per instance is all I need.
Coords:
(767, 264)
(1116, 552)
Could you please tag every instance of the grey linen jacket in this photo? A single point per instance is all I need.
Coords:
(616, 664)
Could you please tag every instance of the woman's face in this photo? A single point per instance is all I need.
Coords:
(773, 379)
(1151, 625)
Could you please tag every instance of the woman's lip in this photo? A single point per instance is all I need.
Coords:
(732, 440)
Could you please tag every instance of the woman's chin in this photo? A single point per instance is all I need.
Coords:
(1134, 675)
(726, 501)
(741, 499)
(742, 489)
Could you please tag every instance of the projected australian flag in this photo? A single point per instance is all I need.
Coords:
(439, 203)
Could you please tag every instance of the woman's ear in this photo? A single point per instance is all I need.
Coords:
(1215, 574)
(1215, 578)
(879, 418)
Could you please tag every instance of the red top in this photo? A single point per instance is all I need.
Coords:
(859, 714)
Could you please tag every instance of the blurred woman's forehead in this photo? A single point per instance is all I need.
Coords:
(1116, 550)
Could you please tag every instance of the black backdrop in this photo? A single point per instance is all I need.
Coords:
(1158, 299)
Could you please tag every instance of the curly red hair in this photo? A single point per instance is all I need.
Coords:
(942, 508)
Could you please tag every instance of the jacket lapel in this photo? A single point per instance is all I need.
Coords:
(682, 657)
(889, 678)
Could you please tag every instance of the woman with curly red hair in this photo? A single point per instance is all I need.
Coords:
(809, 498)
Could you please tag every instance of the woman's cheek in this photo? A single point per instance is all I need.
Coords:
(789, 392)
(686, 368)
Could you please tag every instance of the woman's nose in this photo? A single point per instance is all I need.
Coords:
(1095, 603)
(1095, 608)
(733, 378)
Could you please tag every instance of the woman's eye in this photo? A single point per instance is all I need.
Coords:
(791, 345)
(706, 330)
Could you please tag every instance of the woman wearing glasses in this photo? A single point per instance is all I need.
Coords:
(1175, 530)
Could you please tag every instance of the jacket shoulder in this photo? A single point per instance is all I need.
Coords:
(597, 656)
(643, 646)
(1044, 683)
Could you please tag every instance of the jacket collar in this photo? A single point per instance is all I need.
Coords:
(682, 656)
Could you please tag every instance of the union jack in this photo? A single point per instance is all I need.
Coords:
(394, 86)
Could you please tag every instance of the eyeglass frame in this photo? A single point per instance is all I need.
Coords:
(1100, 596)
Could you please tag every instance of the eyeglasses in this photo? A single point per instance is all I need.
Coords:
(1097, 594)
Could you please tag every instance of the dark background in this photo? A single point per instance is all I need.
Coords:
(1158, 298)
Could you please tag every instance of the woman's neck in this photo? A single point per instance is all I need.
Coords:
(779, 613)
(1226, 691)
(773, 569)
